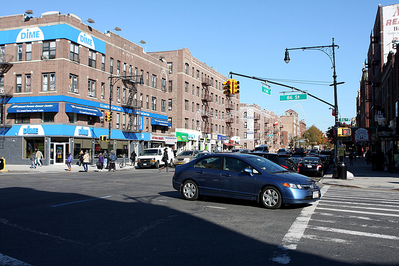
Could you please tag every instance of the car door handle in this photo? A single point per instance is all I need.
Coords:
(200, 172)
(226, 174)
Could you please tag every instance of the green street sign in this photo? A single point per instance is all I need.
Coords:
(266, 90)
(343, 120)
(270, 135)
(294, 97)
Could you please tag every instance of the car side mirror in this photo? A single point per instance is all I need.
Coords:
(249, 171)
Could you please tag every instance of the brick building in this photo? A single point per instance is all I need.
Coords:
(56, 74)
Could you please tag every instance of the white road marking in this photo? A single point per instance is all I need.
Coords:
(327, 239)
(352, 211)
(351, 203)
(351, 232)
(8, 261)
(79, 201)
(215, 207)
(295, 233)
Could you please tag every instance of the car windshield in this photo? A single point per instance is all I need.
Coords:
(266, 165)
(311, 160)
(150, 152)
(186, 153)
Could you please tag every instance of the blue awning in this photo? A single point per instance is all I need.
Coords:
(160, 122)
(33, 108)
(80, 109)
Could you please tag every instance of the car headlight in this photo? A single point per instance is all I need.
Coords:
(291, 185)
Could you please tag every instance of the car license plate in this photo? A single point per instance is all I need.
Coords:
(315, 194)
(144, 164)
(309, 166)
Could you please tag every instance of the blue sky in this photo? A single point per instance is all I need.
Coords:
(247, 37)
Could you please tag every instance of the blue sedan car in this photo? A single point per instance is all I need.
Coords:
(244, 176)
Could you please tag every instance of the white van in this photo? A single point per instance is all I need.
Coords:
(153, 158)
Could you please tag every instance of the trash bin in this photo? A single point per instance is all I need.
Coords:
(341, 168)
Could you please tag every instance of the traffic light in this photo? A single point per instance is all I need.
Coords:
(235, 86)
(110, 116)
(227, 87)
(344, 132)
(103, 137)
(107, 117)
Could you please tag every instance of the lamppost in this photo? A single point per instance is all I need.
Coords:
(329, 50)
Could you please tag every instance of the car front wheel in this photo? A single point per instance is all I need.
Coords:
(271, 198)
(190, 190)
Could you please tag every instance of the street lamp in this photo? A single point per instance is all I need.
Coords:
(329, 50)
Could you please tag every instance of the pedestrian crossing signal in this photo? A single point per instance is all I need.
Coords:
(103, 137)
(344, 132)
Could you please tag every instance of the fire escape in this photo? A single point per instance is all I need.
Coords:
(129, 104)
(206, 99)
(229, 116)
(5, 66)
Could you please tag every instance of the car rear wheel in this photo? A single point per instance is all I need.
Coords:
(190, 190)
(271, 198)
(156, 165)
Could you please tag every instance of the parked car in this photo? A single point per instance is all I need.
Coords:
(325, 161)
(153, 158)
(261, 148)
(203, 153)
(236, 150)
(297, 157)
(243, 176)
(311, 166)
(292, 166)
(328, 154)
(313, 152)
(185, 156)
(282, 152)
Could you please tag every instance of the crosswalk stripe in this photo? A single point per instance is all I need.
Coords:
(351, 232)
(352, 211)
(349, 205)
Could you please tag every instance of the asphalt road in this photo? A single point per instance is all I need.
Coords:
(137, 218)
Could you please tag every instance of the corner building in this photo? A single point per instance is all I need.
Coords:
(56, 78)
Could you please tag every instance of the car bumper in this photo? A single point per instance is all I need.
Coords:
(300, 196)
(146, 165)
(309, 172)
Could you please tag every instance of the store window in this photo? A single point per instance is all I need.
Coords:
(22, 118)
(81, 145)
(48, 117)
(31, 145)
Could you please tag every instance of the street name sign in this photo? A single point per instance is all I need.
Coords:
(293, 97)
(266, 90)
(343, 120)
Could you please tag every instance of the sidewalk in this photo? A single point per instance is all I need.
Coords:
(12, 168)
(364, 177)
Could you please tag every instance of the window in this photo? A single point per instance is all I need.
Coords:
(245, 135)
(124, 69)
(186, 105)
(154, 81)
(124, 121)
(19, 52)
(245, 125)
(91, 87)
(154, 103)
(198, 90)
(136, 72)
(210, 163)
(234, 165)
(245, 114)
(147, 102)
(170, 86)
(111, 65)
(186, 68)
(19, 83)
(170, 104)
(146, 124)
(48, 117)
(28, 52)
(141, 100)
(192, 124)
(163, 85)
(197, 74)
(170, 67)
(49, 48)
(163, 106)
(198, 107)
(1, 86)
(192, 72)
(22, 118)
(92, 58)
(73, 83)
(117, 120)
(192, 107)
(2, 54)
(170, 121)
(186, 123)
(118, 67)
(48, 82)
(102, 90)
(74, 52)
(148, 79)
(103, 62)
(118, 94)
(28, 80)
(186, 86)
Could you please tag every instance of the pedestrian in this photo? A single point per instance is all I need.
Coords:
(100, 163)
(39, 156)
(133, 157)
(373, 160)
(105, 160)
(165, 159)
(33, 160)
(86, 160)
(69, 161)
(389, 156)
(368, 157)
(351, 158)
(380, 160)
(80, 158)
(112, 160)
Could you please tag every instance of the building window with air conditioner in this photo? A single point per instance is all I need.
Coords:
(91, 88)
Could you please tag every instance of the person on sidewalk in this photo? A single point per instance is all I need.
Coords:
(351, 158)
(69, 161)
(80, 158)
(33, 161)
(133, 157)
(165, 159)
(86, 160)
(112, 160)
(100, 163)
(39, 156)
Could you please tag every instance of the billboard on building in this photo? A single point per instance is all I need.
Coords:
(390, 28)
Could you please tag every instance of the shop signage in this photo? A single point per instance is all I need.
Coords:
(170, 140)
(82, 132)
(31, 130)
(30, 35)
(222, 137)
(157, 138)
(86, 40)
(182, 137)
(361, 134)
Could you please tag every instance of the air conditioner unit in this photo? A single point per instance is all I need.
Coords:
(198, 128)
(170, 108)
(45, 57)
